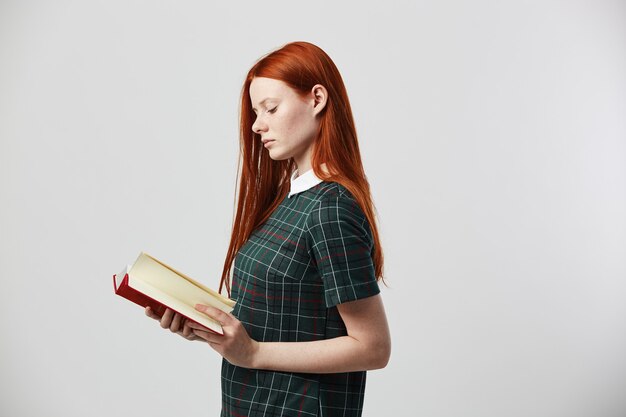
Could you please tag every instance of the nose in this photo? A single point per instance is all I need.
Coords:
(259, 125)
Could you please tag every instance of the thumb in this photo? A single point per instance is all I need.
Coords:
(209, 310)
(203, 308)
(215, 313)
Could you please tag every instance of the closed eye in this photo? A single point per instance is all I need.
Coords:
(272, 110)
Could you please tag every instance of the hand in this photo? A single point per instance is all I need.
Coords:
(235, 345)
(175, 322)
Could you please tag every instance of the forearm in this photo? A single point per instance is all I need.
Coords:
(366, 346)
(341, 354)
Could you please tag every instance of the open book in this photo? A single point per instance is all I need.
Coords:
(150, 282)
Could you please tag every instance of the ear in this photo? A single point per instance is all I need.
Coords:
(320, 97)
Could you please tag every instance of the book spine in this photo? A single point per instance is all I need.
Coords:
(126, 291)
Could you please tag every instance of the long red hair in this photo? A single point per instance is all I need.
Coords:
(263, 182)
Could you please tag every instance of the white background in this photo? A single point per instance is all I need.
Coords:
(494, 137)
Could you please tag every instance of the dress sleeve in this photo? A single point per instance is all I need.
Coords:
(340, 243)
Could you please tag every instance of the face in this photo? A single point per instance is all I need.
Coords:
(286, 122)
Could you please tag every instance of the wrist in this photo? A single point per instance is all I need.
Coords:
(255, 355)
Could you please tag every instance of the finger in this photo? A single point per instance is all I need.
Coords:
(166, 320)
(192, 336)
(175, 324)
(216, 314)
(151, 313)
(197, 326)
(208, 336)
(187, 331)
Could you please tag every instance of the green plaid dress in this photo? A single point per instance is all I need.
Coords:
(314, 252)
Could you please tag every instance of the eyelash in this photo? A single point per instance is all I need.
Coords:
(271, 110)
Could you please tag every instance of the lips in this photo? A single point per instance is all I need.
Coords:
(266, 140)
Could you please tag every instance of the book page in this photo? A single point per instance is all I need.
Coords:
(158, 275)
(175, 304)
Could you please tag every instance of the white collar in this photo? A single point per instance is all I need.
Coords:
(300, 183)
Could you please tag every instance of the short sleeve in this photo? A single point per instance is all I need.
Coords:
(340, 243)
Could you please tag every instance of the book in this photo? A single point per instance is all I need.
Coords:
(150, 282)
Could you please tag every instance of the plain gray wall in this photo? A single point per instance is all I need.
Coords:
(494, 137)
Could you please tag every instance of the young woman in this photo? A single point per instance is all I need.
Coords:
(305, 252)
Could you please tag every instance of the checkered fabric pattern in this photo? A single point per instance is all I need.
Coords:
(314, 252)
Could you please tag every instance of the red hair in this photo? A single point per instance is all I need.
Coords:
(263, 182)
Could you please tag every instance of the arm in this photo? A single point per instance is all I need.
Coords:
(367, 345)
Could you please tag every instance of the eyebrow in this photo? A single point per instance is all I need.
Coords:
(264, 100)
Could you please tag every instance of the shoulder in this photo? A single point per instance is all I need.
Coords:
(333, 192)
(334, 204)
(334, 195)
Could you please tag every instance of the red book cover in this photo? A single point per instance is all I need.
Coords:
(136, 297)
(128, 292)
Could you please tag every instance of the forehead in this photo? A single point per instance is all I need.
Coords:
(262, 88)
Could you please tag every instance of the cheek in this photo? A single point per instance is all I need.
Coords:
(298, 125)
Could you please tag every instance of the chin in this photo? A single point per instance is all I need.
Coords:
(278, 156)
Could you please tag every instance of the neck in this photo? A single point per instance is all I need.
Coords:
(303, 164)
